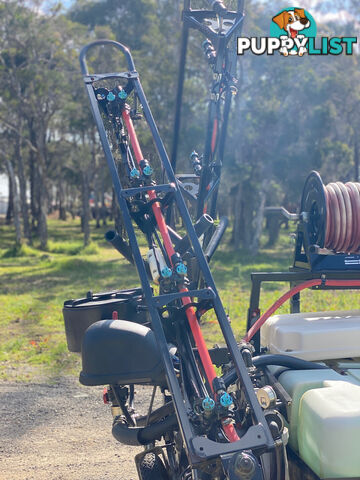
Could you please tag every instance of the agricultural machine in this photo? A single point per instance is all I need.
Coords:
(284, 401)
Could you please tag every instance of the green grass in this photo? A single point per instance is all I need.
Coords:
(34, 285)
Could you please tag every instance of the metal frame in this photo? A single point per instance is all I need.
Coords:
(199, 448)
(224, 81)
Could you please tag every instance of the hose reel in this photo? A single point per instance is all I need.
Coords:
(329, 225)
(333, 214)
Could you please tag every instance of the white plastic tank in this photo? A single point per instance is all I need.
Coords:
(329, 430)
(298, 382)
(313, 336)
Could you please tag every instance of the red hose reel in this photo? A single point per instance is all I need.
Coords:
(332, 213)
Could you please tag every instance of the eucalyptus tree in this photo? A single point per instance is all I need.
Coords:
(38, 65)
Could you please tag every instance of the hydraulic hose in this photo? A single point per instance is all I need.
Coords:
(282, 360)
(190, 311)
(308, 284)
(343, 217)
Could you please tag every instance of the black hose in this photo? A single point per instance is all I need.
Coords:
(282, 360)
(157, 430)
(142, 435)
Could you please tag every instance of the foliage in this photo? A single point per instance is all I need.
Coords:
(291, 115)
(34, 286)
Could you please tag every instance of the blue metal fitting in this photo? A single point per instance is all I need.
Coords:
(122, 94)
(226, 400)
(181, 269)
(166, 272)
(110, 97)
(147, 171)
(208, 404)
(134, 173)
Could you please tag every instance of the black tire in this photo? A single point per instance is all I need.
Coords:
(152, 468)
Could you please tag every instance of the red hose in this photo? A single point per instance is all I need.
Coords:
(190, 312)
(293, 291)
(343, 217)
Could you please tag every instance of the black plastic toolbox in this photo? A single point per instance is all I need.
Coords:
(81, 313)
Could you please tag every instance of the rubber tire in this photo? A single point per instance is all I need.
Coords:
(152, 468)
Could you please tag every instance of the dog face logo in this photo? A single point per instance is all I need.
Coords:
(293, 23)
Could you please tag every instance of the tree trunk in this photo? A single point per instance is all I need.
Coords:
(236, 214)
(97, 201)
(34, 181)
(16, 202)
(61, 193)
(259, 220)
(273, 224)
(22, 184)
(10, 207)
(43, 210)
(103, 209)
(85, 207)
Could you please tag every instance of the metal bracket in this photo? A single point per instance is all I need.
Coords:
(96, 77)
(130, 192)
(206, 293)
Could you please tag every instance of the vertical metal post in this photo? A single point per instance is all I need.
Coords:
(179, 94)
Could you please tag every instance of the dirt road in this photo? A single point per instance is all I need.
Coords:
(60, 432)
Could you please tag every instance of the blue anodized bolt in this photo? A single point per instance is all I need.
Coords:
(166, 272)
(134, 173)
(122, 94)
(208, 404)
(147, 170)
(181, 269)
(226, 400)
(110, 97)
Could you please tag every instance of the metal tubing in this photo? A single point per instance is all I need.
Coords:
(200, 227)
(216, 238)
(119, 243)
(179, 94)
(219, 309)
(199, 448)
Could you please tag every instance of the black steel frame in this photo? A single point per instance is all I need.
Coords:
(223, 86)
(199, 448)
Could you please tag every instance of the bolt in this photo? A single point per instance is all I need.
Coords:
(226, 400)
(166, 272)
(147, 170)
(122, 94)
(134, 173)
(181, 269)
(208, 404)
(245, 465)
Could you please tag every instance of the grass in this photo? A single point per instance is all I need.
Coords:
(34, 285)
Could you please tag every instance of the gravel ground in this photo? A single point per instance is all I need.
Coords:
(61, 431)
